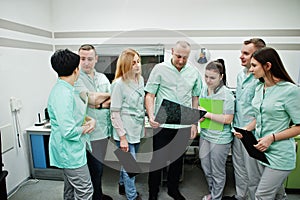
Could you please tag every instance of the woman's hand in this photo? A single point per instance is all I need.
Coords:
(201, 108)
(89, 126)
(264, 143)
(124, 144)
(202, 119)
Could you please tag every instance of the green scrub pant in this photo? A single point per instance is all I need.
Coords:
(270, 185)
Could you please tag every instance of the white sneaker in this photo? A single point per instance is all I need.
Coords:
(207, 197)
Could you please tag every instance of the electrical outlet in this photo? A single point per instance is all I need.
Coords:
(15, 104)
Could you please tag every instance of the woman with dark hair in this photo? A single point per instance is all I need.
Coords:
(276, 105)
(215, 142)
(70, 127)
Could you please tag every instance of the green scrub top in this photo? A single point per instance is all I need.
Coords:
(166, 82)
(245, 90)
(128, 99)
(67, 144)
(274, 111)
(102, 116)
(217, 136)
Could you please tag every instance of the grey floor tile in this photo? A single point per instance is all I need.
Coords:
(193, 186)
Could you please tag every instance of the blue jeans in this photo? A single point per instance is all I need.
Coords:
(125, 180)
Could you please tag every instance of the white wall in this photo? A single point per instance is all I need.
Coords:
(174, 14)
(26, 73)
(232, 62)
(37, 13)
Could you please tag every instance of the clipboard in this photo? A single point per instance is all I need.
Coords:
(174, 113)
(213, 106)
(128, 162)
(248, 141)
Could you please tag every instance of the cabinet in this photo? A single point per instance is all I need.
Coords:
(38, 139)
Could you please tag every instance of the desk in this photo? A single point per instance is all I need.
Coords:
(38, 138)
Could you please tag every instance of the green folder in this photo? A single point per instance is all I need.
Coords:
(212, 106)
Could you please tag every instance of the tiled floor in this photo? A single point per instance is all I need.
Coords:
(193, 186)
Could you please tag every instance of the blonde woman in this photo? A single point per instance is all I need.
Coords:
(128, 112)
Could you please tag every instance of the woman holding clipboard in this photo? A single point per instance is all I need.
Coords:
(216, 135)
(276, 105)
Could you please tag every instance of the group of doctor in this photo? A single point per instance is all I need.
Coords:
(85, 110)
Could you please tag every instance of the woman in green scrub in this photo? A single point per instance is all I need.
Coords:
(128, 112)
(215, 142)
(276, 106)
(69, 127)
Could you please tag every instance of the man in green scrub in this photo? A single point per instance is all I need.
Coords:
(176, 81)
(244, 165)
(97, 86)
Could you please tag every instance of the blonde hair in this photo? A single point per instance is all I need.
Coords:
(124, 64)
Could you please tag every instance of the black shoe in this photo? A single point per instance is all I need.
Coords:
(176, 195)
(106, 197)
(138, 197)
(229, 198)
(121, 189)
(152, 197)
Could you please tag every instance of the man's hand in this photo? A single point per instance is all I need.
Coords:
(238, 135)
(153, 123)
(194, 131)
(106, 104)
